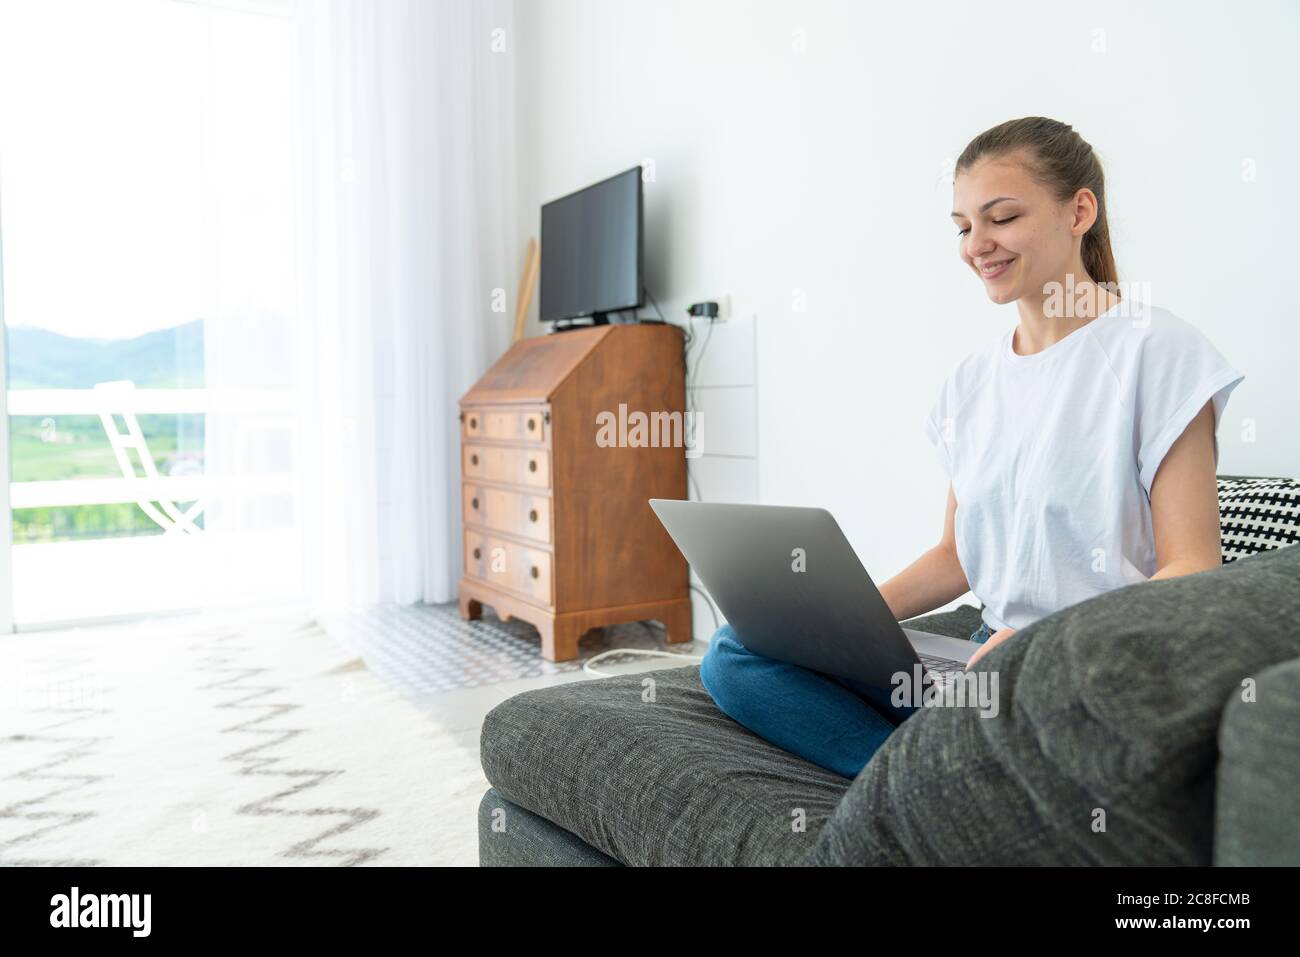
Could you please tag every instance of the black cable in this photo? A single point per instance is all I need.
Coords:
(704, 348)
(691, 407)
(688, 339)
(653, 303)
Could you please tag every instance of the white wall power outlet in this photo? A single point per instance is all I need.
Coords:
(724, 305)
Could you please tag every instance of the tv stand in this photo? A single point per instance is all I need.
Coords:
(566, 325)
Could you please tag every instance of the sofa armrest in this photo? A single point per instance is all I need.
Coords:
(1257, 800)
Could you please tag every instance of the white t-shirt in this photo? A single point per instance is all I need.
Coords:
(1052, 455)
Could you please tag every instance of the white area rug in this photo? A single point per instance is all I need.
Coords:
(203, 742)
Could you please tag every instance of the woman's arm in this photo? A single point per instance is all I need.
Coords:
(931, 581)
(1185, 503)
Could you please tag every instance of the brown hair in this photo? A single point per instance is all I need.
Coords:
(1064, 163)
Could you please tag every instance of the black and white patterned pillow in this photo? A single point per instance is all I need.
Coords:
(1257, 515)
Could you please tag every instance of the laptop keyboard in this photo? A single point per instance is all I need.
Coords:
(941, 667)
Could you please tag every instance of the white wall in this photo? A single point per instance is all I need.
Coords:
(782, 172)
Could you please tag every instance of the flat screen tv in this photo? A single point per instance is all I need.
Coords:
(591, 251)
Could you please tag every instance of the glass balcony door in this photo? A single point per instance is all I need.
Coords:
(147, 221)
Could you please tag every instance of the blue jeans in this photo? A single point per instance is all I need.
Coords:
(833, 722)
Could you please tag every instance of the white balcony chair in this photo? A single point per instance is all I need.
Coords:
(114, 398)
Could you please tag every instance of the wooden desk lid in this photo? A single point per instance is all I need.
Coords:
(533, 369)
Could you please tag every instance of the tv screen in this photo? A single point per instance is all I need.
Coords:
(591, 250)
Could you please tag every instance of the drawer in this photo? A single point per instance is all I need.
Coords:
(517, 568)
(515, 425)
(518, 513)
(495, 463)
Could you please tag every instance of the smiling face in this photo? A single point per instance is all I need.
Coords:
(1013, 234)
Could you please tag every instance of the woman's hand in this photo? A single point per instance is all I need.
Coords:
(995, 639)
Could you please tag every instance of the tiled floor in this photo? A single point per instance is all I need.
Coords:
(429, 649)
(459, 670)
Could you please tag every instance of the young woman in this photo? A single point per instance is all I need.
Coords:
(1081, 446)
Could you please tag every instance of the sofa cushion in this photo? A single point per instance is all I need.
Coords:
(512, 836)
(663, 778)
(666, 779)
(1257, 514)
(1104, 749)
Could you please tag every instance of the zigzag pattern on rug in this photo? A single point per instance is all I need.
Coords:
(259, 760)
(64, 780)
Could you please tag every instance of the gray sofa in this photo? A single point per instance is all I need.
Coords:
(1155, 724)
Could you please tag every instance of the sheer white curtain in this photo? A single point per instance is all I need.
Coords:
(407, 163)
(245, 212)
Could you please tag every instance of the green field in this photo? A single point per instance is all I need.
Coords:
(47, 448)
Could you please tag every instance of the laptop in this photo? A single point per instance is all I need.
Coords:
(792, 587)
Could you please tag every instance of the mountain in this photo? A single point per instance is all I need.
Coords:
(163, 359)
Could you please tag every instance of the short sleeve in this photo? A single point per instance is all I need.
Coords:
(1180, 372)
(937, 433)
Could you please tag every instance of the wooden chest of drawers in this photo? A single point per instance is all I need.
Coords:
(557, 528)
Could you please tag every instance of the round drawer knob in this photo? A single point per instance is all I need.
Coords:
(535, 571)
(532, 465)
(532, 425)
(532, 515)
(477, 554)
(474, 503)
(473, 460)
